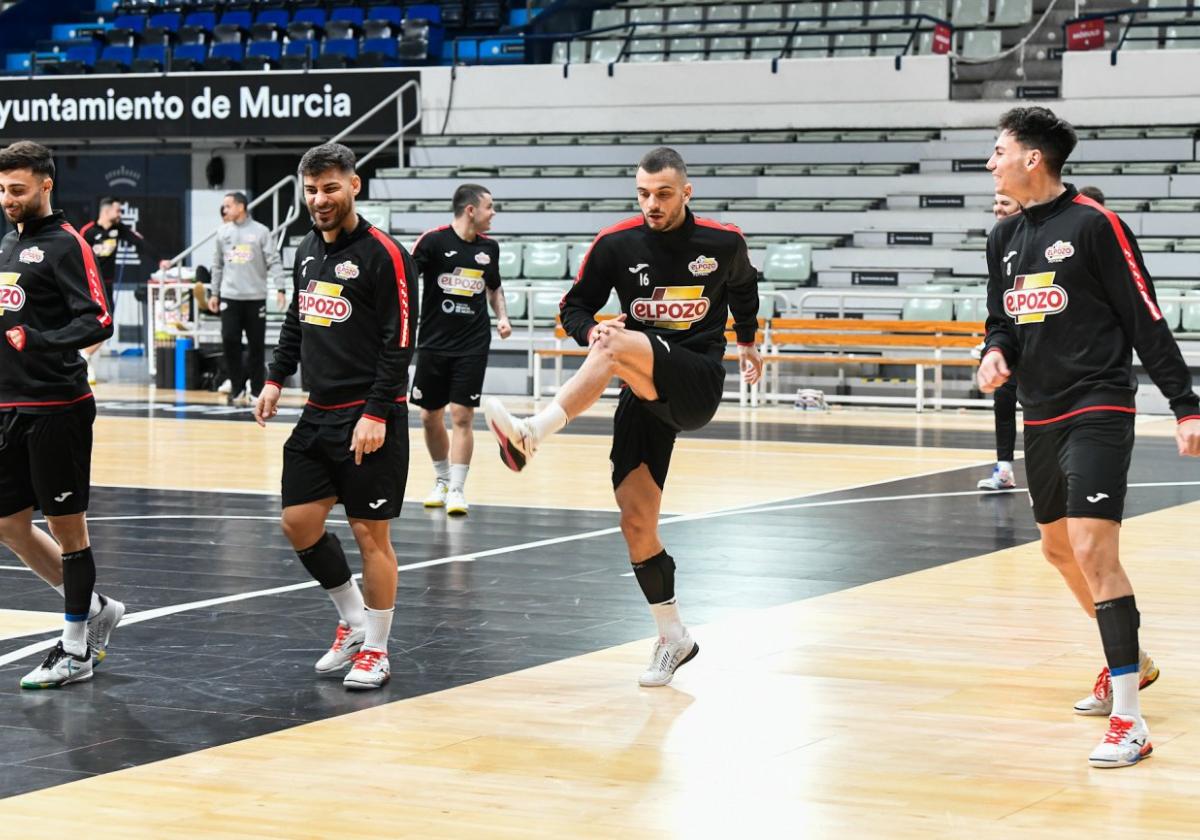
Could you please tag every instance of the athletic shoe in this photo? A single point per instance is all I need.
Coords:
(225, 387)
(667, 658)
(371, 669)
(1126, 742)
(100, 627)
(91, 372)
(58, 669)
(437, 498)
(516, 442)
(1100, 701)
(456, 503)
(346, 643)
(999, 480)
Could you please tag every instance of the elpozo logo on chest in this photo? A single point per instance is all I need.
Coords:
(32, 255)
(1060, 251)
(322, 304)
(462, 282)
(672, 307)
(1033, 297)
(483, 259)
(12, 296)
(702, 266)
(345, 270)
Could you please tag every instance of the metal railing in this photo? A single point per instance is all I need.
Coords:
(1136, 21)
(279, 227)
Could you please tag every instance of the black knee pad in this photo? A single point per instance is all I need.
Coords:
(656, 576)
(326, 561)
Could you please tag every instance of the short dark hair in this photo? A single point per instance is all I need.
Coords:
(656, 160)
(240, 197)
(1094, 193)
(1038, 128)
(106, 200)
(25, 154)
(327, 156)
(468, 195)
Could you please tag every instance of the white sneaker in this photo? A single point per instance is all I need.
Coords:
(999, 480)
(100, 627)
(346, 643)
(91, 372)
(1100, 701)
(1126, 742)
(517, 445)
(58, 669)
(371, 669)
(437, 498)
(225, 387)
(456, 503)
(666, 659)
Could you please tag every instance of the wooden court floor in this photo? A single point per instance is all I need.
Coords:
(923, 688)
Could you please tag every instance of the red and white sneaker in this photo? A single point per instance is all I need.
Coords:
(1100, 702)
(517, 445)
(1126, 742)
(371, 669)
(346, 642)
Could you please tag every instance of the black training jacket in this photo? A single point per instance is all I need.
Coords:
(679, 285)
(52, 294)
(351, 323)
(1069, 299)
(457, 276)
(104, 245)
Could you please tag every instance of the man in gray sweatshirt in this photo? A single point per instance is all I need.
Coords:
(244, 263)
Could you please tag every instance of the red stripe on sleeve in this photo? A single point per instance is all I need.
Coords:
(1127, 250)
(401, 280)
(426, 233)
(95, 286)
(87, 227)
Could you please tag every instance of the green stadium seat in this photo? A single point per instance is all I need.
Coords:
(979, 43)
(685, 19)
(517, 304)
(1013, 12)
(727, 49)
(1183, 37)
(969, 13)
(545, 302)
(545, 260)
(578, 52)
(510, 260)
(790, 263)
(764, 17)
(575, 255)
(686, 49)
(858, 43)
(929, 309)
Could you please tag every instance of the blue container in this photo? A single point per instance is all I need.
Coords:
(182, 347)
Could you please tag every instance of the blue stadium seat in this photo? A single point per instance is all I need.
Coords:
(115, 58)
(263, 54)
(225, 56)
(307, 25)
(161, 27)
(77, 59)
(383, 22)
(150, 58)
(379, 52)
(338, 52)
(424, 11)
(269, 25)
(344, 22)
(186, 57)
(300, 54)
(197, 27)
(125, 29)
(234, 27)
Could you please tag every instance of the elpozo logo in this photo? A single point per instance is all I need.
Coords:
(483, 259)
(12, 296)
(672, 307)
(1060, 251)
(702, 266)
(322, 304)
(345, 271)
(1033, 297)
(463, 282)
(32, 255)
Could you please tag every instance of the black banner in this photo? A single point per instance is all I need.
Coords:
(191, 105)
(955, 201)
(970, 166)
(910, 237)
(875, 278)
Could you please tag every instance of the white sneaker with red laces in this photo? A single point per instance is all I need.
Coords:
(1126, 742)
(1100, 702)
(371, 669)
(346, 642)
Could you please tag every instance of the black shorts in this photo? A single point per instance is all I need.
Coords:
(46, 460)
(441, 379)
(318, 463)
(689, 386)
(1079, 467)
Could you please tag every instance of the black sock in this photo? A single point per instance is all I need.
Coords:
(326, 561)
(1119, 620)
(656, 576)
(79, 579)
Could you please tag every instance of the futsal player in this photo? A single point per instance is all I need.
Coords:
(52, 304)
(351, 325)
(1069, 299)
(678, 276)
(460, 267)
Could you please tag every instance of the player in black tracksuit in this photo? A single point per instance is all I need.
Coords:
(51, 304)
(1069, 300)
(352, 324)
(460, 269)
(678, 278)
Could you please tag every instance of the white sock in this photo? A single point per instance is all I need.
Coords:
(349, 602)
(547, 421)
(666, 616)
(1125, 695)
(93, 609)
(458, 476)
(1004, 466)
(442, 470)
(74, 637)
(379, 625)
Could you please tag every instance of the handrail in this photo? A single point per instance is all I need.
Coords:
(1132, 13)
